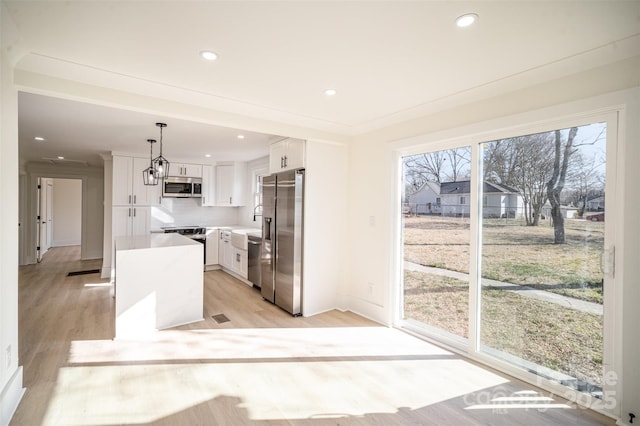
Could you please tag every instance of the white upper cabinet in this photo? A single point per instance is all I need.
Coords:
(230, 184)
(185, 170)
(208, 185)
(286, 154)
(128, 186)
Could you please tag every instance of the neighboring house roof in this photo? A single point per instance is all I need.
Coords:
(495, 187)
(595, 198)
(433, 186)
(458, 187)
(464, 187)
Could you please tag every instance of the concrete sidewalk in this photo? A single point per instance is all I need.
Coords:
(545, 296)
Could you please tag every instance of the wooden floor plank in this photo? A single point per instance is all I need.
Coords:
(263, 366)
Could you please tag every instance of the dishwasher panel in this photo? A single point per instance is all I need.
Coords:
(254, 244)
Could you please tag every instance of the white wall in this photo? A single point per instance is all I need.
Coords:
(325, 226)
(10, 373)
(373, 245)
(67, 212)
(92, 206)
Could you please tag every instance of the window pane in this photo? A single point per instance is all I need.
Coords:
(542, 236)
(436, 241)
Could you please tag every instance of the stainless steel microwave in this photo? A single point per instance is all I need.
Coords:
(181, 187)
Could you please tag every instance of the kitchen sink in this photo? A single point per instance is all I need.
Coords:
(239, 237)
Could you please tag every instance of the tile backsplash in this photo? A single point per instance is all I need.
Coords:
(189, 211)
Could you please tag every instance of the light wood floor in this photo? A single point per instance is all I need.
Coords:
(260, 367)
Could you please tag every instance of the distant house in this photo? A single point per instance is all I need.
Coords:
(498, 200)
(595, 203)
(568, 212)
(426, 200)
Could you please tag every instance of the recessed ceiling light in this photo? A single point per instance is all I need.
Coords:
(60, 157)
(39, 138)
(330, 92)
(466, 20)
(240, 136)
(208, 155)
(209, 55)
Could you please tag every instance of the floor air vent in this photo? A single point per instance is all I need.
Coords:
(220, 318)
(88, 271)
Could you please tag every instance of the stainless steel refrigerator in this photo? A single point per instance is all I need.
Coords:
(281, 257)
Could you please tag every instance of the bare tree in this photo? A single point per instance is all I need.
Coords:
(439, 166)
(427, 166)
(523, 163)
(534, 169)
(557, 181)
(459, 160)
(586, 180)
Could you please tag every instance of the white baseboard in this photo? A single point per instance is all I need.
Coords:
(11, 396)
(106, 272)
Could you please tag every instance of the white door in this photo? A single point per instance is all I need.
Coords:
(38, 220)
(44, 215)
(49, 213)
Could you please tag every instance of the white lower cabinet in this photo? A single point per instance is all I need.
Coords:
(233, 259)
(128, 221)
(240, 262)
(212, 246)
(225, 254)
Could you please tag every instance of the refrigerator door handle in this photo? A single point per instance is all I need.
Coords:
(267, 228)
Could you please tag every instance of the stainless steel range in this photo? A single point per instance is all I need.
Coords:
(197, 233)
(194, 232)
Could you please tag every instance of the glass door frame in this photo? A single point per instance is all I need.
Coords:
(612, 314)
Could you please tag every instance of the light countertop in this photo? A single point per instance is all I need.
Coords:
(138, 242)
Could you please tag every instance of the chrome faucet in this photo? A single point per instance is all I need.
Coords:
(257, 214)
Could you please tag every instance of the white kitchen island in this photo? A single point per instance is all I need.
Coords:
(158, 283)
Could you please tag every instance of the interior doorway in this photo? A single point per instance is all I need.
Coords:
(59, 214)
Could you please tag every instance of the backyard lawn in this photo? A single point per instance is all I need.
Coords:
(548, 334)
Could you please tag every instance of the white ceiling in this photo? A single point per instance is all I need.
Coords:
(390, 61)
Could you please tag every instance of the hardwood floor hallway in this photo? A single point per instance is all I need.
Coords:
(255, 365)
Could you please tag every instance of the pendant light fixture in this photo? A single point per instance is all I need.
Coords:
(150, 174)
(160, 163)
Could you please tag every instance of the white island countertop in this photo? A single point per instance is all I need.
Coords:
(159, 283)
(138, 242)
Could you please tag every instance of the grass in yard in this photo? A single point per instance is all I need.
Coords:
(436, 300)
(565, 340)
(514, 253)
(547, 334)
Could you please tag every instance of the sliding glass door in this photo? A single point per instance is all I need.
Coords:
(542, 241)
(542, 244)
(436, 241)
